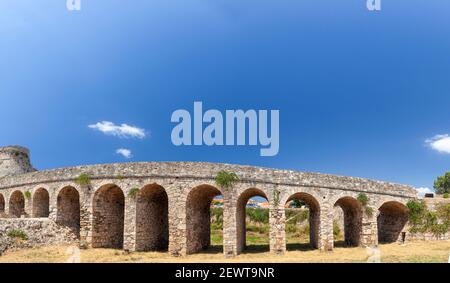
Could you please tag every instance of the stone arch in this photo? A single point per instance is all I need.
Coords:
(198, 217)
(314, 215)
(41, 202)
(108, 217)
(2, 204)
(352, 211)
(392, 219)
(152, 219)
(241, 215)
(16, 204)
(68, 208)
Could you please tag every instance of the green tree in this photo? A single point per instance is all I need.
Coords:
(296, 203)
(442, 184)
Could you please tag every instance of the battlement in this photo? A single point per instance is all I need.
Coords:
(14, 160)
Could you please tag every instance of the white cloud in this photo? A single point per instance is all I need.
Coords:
(440, 143)
(122, 131)
(124, 152)
(423, 191)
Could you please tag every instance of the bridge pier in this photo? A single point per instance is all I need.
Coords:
(230, 243)
(369, 230)
(85, 217)
(52, 209)
(129, 231)
(29, 206)
(326, 238)
(177, 222)
(277, 233)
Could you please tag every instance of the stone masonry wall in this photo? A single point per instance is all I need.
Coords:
(177, 218)
(14, 160)
(38, 232)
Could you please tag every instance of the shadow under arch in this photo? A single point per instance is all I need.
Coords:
(352, 212)
(108, 217)
(241, 230)
(16, 204)
(2, 204)
(198, 217)
(41, 202)
(314, 221)
(68, 209)
(152, 219)
(391, 221)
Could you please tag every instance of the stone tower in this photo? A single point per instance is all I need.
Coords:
(14, 160)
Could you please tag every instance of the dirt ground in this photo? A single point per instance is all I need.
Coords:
(412, 252)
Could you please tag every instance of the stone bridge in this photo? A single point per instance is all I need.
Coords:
(166, 205)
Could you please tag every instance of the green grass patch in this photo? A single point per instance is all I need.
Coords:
(18, 234)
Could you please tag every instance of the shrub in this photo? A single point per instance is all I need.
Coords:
(27, 195)
(18, 234)
(445, 195)
(296, 203)
(261, 229)
(83, 180)
(416, 210)
(363, 199)
(336, 229)
(258, 215)
(443, 213)
(217, 216)
(296, 216)
(423, 220)
(226, 179)
(306, 230)
(133, 192)
(291, 228)
(369, 211)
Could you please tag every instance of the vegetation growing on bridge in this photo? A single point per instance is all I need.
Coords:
(133, 193)
(27, 195)
(226, 179)
(83, 180)
(364, 201)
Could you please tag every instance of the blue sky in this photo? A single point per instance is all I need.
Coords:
(359, 92)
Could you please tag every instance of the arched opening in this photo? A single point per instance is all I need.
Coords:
(2, 205)
(198, 218)
(348, 213)
(253, 220)
(152, 219)
(16, 204)
(392, 219)
(302, 222)
(68, 209)
(108, 217)
(41, 201)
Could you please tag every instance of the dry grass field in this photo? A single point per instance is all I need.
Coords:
(412, 252)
